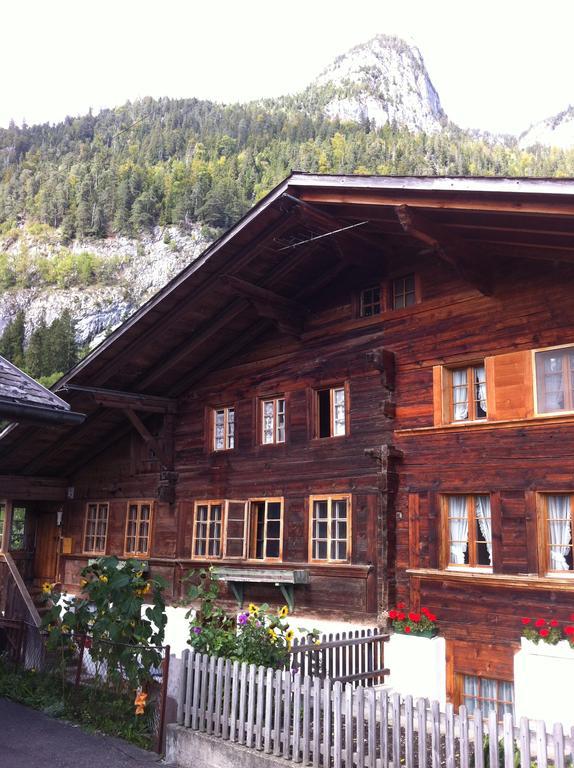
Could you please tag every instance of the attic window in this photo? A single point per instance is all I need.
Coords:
(371, 301)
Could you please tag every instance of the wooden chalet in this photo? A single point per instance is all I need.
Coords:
(363, 393)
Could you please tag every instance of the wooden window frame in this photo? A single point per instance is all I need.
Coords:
(362, 304)
(330, 497)
(225, 409)
(448, 385)
(252, 529)
(209, 503)
(386, 296)
(473, 566)
(96, 552)
(393, 294)
(566, 377)
(315, 410)
(261, 418)
(543, 538)
(459, 694)
(226, 555)
(139, 503)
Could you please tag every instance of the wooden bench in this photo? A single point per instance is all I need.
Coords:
(284, 579)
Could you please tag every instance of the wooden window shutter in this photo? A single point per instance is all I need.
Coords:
(509, 386)
(438, 395)
(235, 529)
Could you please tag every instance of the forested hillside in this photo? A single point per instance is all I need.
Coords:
(181, 161)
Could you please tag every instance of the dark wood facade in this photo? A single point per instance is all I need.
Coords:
(274, 310)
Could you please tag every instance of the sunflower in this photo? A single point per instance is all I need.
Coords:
(289, 635)
(46, 588)
(253, 609)
(283, 612)
(272, 634)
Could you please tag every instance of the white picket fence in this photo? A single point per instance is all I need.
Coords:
(323, 724)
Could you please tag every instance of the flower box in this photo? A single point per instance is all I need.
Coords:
(429, 633)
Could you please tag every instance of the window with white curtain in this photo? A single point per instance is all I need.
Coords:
(273, 420)
(331, 412)
(559, 532)
(468, 393)
(223, 429)
(469, 531)
(487, 694)
(555, 380)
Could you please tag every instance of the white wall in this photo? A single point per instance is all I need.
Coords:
(417, 666)
(544, 682)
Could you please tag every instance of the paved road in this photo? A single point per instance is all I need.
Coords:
(29, 739)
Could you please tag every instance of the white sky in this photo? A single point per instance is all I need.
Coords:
(497, 65)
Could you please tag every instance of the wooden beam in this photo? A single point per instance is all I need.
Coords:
(148, 438)
(241, 259)
(286, 313)
(114, 398)
(461, 255)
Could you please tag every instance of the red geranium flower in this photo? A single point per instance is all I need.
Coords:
(425, 611)
(553, 623)
(414, 616)
(393, 614)
(401, 606)
(431, 616)
(526, 620)
(544, 632)
(569, 630)
(407, 630)
(539, 622)
(401, 616)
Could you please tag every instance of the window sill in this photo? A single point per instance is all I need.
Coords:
(469, 569)
(542, 420)
(527, 581)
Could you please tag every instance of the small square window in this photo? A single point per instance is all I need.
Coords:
(467, 393)
(371, 301)
(403, 292)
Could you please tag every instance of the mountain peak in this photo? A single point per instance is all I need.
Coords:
(555, 131)
(385, 81)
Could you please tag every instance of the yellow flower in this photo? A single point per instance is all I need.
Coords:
(283, 612)
(46, 588)
(289, 635)
(147, 589)
(253, 609)
(139, 574)
(65, 629)
(83, 582)
(104, 579)
(272, 634)
(140, 702)
(317, 641)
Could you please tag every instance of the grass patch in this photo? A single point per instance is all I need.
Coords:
(96, 709)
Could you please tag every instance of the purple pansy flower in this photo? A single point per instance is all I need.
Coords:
(197, 630)
(242, 619)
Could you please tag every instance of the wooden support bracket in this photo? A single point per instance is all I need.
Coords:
(148, 437)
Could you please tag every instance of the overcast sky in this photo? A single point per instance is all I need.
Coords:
(497, 65)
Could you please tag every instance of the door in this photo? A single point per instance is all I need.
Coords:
(47, 542)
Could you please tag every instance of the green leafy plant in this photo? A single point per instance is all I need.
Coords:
(110, 613)
(547, 631)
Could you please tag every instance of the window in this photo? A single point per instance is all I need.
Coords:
(403, 292)
(330, 412)
(223, 429)
(138, 528)
(330, 528)
(469, 531)
(371, 301)
(208, 529)
(273, 420)
(558, 532)
(265, 522)
(18, 529)
(2, 523)
(96, 529)
(487, 695)
(555, 380)
(468, 393)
